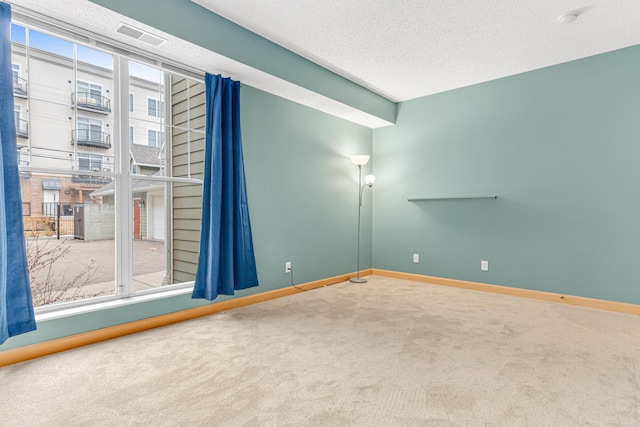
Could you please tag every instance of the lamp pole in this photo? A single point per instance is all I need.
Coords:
(360, 160)
(358, 279)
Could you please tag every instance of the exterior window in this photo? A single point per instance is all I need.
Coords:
(89, 162)
(15, 70)
(89, 130)
(131, 134)
(23, 160)
(19, 84)
(156, 138)
(89, 93)
(155, 108)
(131, 100)
(22, 126)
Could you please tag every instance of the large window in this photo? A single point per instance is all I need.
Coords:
(127, 214)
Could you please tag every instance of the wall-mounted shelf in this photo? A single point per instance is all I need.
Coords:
(420, 199)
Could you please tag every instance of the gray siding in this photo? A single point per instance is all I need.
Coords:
(187, 148)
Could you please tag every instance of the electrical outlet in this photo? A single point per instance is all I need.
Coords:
(416, 258)
(484, 265)
(287, 267)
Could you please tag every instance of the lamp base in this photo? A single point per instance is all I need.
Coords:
(358, 280)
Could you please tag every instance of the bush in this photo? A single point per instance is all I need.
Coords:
(49, 286)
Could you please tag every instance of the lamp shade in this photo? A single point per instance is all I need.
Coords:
(369, 180)
(360, 159)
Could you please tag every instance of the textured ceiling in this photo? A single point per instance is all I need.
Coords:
(411, 48)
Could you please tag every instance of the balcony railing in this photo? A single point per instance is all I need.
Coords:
(91, 138)
(90, 180)
(19, 87)
(91, 102)
(22, 128)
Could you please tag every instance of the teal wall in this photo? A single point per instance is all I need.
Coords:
(303, 202)
(560, 147)
(303, 189)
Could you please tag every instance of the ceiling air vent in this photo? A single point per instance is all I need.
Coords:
(137, 34)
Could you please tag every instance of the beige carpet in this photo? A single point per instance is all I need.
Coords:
(387, 353)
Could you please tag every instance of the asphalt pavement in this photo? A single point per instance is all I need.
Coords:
(92, 264)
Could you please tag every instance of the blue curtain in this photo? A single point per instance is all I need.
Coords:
(226, 261)
(16, 308)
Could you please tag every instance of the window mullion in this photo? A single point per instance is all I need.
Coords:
(168, 171)
(124, 208)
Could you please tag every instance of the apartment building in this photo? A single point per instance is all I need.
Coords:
(64, 119)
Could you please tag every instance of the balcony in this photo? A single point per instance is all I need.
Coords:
(22, 128)
(91, 138)
(19, 87)
(91, 102)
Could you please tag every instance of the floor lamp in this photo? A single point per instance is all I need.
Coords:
(359, 161)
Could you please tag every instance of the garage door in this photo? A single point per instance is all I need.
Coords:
(156, 223)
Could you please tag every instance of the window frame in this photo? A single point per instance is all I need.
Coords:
(17, 68)
(121, 174)
(159, 108)
(90, 88)
(91, 122)
(159, 138)
(91, 158)
(17, 117)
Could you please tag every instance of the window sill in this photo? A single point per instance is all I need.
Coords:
(106, 305)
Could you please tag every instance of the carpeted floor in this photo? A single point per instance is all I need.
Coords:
(386, 353)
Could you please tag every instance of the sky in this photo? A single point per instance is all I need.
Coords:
(86, 54)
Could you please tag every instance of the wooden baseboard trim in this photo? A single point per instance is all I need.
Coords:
(22, 354)
(619, 307)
